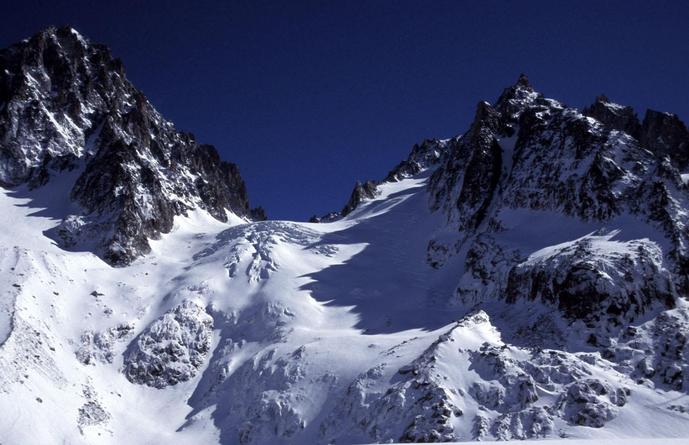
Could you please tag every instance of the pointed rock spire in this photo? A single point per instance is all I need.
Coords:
(523, 81)
(602, 98)
(515, 99)
(485, 116)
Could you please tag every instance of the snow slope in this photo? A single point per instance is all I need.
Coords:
(315, 327)
(590, 442)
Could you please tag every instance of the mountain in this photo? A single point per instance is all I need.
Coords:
(66, 105)
(526, 279)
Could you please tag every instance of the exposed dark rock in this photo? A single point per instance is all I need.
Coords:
(362, 191)
(666, 135)
(535, 422)
(424, 155)
(475, 164)
(258, 214)
(614, 116)
(670, 352)
(67, 104)
(513, 101)
(92, 414)
(597, 281)
(332, 216)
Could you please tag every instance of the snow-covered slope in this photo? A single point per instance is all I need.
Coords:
(282, 332)
(525, 280)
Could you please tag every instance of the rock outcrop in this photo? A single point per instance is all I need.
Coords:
(172, 348)
(596, 280)
(614, 116)
(531, 153)
(66, 105)
(666, 135)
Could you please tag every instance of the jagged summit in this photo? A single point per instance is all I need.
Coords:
(523, 113)
(525, 279)
(577, 166)
(666, 135)
(661, 132)
(66, 105)
(523, 81)
(514, 100)
(617, 117)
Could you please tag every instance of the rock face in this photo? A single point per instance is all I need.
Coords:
(172, 348)
(666, 135)
(361, 192)
(476, 163)
(533, 153)
(423, 156)
(596, 280)
(592, 403)
(66, 105)
(614, 116)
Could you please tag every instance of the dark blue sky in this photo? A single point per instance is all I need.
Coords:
(307, 97)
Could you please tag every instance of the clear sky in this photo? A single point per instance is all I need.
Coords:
(309, 96)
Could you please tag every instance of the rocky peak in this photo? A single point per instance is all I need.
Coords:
(523, 81)
(556, 159)
(666, 135)
(662, 133)
(617, 117)
(422, 156)
(53, 86)
(577, 166)
(515, 99)
(65, 103)
(477, 159)
(362, 191)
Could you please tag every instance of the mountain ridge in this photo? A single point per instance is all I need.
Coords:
(66, 104)
(526, 279)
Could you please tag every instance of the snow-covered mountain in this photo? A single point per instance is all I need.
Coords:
(67, 106)
(525, 279)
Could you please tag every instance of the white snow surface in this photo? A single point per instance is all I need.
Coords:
(664, 441)
(311, 323)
